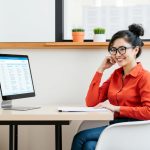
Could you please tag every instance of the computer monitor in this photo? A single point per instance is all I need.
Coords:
(15, 80)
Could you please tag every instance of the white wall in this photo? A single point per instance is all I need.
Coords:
(27, 20)
(61, 77)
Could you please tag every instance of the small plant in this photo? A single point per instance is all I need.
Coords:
(99, 31)
(78, 34)
(77, 30)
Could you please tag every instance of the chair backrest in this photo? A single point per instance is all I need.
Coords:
(125, 136)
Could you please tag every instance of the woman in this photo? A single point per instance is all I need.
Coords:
(126, 92)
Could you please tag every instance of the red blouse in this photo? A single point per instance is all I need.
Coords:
(132, 94)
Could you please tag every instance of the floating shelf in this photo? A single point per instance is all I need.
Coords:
(58, 45)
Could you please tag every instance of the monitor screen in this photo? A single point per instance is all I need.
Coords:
(15, 77)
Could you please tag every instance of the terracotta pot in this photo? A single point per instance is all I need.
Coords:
(78, 36)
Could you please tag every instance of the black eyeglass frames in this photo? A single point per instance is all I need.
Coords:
(121, 50)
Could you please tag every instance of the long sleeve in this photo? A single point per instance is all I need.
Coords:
(141, 112)
(95, 93)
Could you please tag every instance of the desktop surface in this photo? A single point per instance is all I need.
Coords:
(51, 113)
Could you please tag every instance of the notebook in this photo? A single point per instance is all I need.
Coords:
(80, 109)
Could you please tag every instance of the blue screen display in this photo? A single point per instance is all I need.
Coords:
(15, 75)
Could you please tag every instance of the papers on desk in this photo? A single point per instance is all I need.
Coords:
(81, 109)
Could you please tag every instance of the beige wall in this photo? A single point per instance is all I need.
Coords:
(61, 77)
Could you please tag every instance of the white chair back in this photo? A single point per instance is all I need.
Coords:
(125, 136)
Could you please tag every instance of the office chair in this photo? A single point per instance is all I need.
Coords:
(133, 135)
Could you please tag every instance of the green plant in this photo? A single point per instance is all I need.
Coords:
(99, 30)
(78, 30)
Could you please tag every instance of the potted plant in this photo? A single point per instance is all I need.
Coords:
(99, 34)
(78, 34)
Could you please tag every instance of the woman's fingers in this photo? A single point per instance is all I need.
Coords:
(106, 104)
(112, 60)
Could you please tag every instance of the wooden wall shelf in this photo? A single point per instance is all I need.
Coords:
(57, 45)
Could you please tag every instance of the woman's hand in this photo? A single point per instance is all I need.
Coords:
(107, 63)
(106, 104)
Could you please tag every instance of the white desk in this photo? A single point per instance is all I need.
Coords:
(45, 116)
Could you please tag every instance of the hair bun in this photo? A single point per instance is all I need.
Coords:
(136, 29)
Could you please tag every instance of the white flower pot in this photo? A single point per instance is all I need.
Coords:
(99, 38)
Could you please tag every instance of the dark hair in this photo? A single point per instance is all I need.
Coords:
(132, 36)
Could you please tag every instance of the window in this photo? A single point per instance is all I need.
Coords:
(113, 15)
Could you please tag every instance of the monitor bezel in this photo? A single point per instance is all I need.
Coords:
(18, 96)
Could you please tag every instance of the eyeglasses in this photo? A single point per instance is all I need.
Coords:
(121, 50)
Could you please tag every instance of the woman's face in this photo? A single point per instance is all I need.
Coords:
(127, 56)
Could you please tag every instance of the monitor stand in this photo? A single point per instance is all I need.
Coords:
(7, 105)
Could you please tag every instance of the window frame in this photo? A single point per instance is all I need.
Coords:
(59, 22)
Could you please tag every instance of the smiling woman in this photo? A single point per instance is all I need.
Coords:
(126, 45)
(126, 92)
